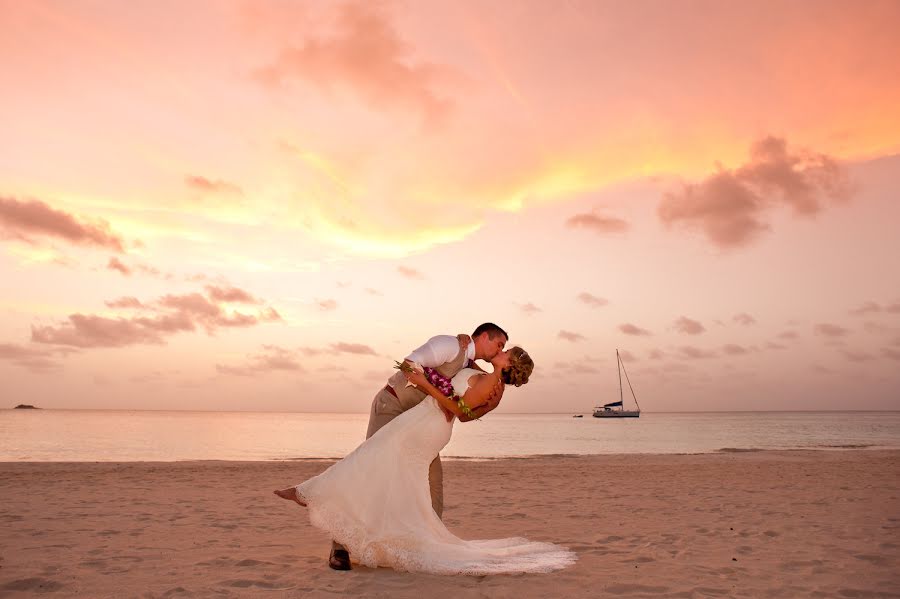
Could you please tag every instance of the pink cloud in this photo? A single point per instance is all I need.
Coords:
(627, 356)
(353, 348)
(169, 315)
(529, 309)
(36, 360)
(570, 336)
(230, 294)
(689, 327)
(773, 345)
(789, 335)
(891, 353)
(591, 300)
(410, 273)
(656, 354)
(125, 302)
(630, 329)
(695, 353)
(116, 264)
(857, 356)
(272, 358)
(830, 330)
(24, 219)
(744, 319)
(597, 223)
(207, 185)
(734, 350)
(866, 308)
(327, 304)
(730, 206)
(367, 56)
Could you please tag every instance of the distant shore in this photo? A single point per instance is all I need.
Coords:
(740, 524)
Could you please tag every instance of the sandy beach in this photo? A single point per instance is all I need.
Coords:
(748, 524)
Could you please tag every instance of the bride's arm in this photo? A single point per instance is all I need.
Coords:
(419, 380)
(483, 395)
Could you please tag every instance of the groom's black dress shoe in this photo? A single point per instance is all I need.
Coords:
(339, 559)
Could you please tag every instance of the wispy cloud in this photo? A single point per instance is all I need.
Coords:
(366, 55)
(690, 352)
(529, 309)
(688, 326)
(410, 273)
(26, 219)
(327, 304)
(203, 184)
(744, 319)
(168, 315)
(271, 358)
(631, 329)
(591, 300)
(597, 223)
(570, 336)
(827, 329)
(730, 207)
(35, 359)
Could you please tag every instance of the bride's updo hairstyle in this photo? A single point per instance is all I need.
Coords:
(519, 369)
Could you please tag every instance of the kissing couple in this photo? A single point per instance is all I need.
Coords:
(383, 502)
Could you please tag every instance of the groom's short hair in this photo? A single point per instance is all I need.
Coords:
(491, 329)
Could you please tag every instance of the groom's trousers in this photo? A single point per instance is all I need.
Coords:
(386, 407)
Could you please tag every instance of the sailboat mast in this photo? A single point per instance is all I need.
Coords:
(619, 364)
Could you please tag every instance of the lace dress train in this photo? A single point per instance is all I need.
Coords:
(376, 502)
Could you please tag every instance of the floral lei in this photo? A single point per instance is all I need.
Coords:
(443, 384)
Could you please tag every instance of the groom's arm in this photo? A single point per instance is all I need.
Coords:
(436, 351)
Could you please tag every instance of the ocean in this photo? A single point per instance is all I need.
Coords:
(108, 435)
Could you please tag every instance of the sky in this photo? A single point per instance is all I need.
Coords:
(228, 205)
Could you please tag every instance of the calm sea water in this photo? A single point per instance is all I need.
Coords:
(85, 435)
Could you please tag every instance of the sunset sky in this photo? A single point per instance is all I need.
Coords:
(232, 205)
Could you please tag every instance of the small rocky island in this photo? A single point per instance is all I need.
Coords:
(25, 406)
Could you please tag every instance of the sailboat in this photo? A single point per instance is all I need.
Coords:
(616, 409)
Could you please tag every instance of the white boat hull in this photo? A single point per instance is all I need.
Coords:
(617, 414)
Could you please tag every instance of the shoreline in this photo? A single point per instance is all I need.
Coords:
(717, 452)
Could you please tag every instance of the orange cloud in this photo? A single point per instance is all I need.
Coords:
(367, 56)
(730, 206)
(206, 185)
(410, 273)
(327, 304)
(688, 326)
(22, 220)
(230, 294)
(598, 223)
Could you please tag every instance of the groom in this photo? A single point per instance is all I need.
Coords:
(448, 355)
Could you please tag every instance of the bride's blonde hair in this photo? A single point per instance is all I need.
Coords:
(520, 367)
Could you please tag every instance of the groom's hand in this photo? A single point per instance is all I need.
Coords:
(464, 341)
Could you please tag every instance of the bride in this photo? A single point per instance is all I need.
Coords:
(376, 500)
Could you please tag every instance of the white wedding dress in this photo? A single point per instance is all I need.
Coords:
(377, 504)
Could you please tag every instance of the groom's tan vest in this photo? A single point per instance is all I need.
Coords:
(411, 396)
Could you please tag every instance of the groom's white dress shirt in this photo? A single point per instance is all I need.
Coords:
(438, 350)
